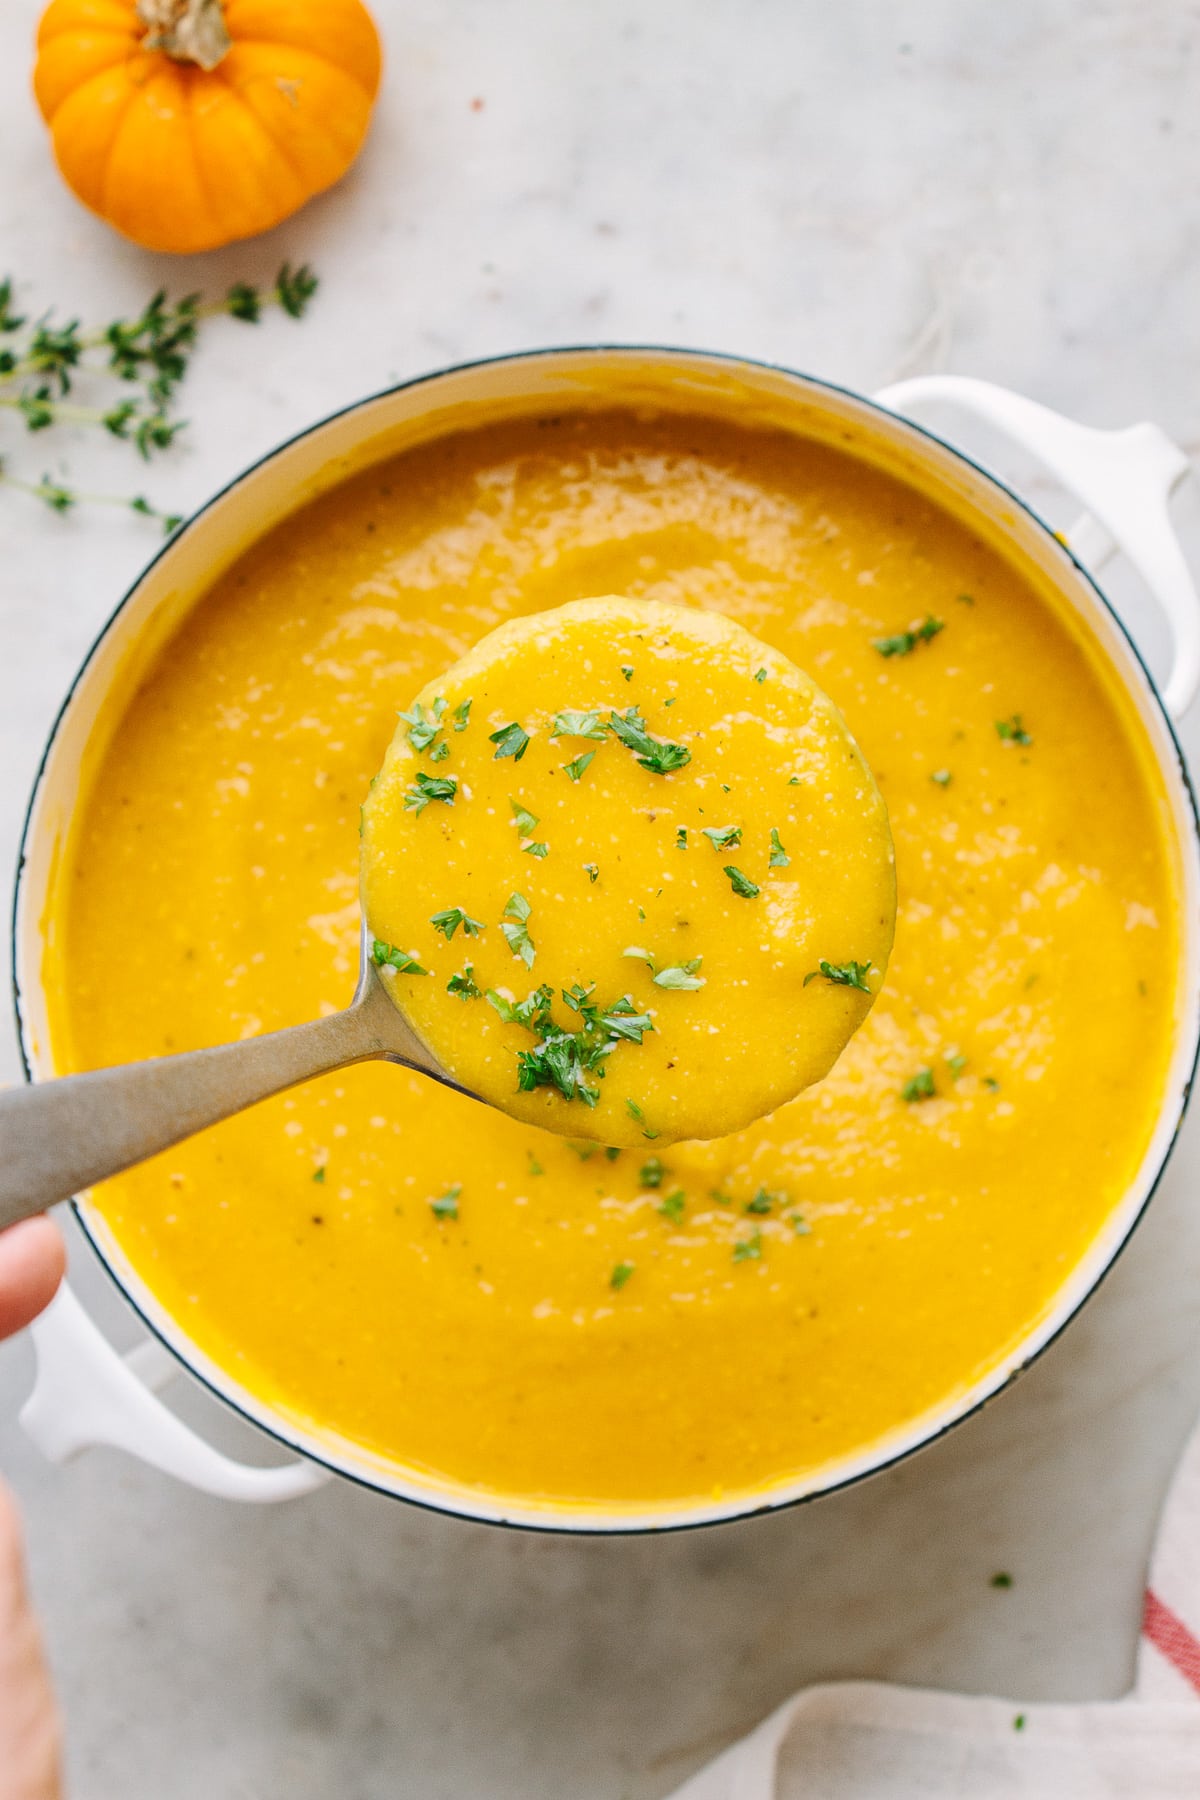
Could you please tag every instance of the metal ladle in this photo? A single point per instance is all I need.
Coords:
(59, 1137)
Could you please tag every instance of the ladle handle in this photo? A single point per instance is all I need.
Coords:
(58, 1137)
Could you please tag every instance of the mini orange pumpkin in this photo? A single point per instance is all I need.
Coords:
(189, 123)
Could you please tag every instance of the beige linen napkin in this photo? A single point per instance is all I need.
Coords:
(865, 1740)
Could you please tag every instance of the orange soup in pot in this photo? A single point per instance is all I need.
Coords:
(465, 1295)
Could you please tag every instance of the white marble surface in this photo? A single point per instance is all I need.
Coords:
(862, 190)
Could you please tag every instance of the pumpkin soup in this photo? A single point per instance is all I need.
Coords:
(530, 822)
(458, 1292)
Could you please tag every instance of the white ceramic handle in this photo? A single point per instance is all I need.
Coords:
(1123, 478)
(85, 1394)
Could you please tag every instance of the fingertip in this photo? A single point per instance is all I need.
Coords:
(33, 1260)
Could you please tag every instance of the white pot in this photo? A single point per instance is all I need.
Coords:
(85, 1393)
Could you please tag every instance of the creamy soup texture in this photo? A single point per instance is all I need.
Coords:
(461, 1293)
(627, 874)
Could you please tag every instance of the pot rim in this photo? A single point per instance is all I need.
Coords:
(458, 1503)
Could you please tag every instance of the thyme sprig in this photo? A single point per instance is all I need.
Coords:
(42, 360)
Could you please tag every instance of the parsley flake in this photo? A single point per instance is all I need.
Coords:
(440, 752)
(655, 754)
(579, 724)
(748, 1249)
(430, 787)
(919, 1087)
(536, 849)
(672, 1205)
(652, 1172)
(1001, 1579)
(318, 1175)
(635, 1112)
(448, 922)
(627, 671)
(423, 727)
(943, 777)
(799, 1225)
(741, 884)
(511, 740)
(681, 838)
(593, 871)
(682, 976)
(515, 933)
(724, 838)
(576, 769)
(761, 1204)
(461, 715)
(620, 1276)
(463, 986)
(905, 642)
(956, 1062)
(445, 1206)
(388, 956)
(850, 974)
(779, 858)
(527, 822)
(760, 675)
(1012, 731)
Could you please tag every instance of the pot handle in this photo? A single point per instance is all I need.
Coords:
(86, 1394)
(1123, 478)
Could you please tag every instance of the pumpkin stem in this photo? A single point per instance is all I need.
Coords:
(189, 30)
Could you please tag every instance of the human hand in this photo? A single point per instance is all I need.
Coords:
(31, 1266)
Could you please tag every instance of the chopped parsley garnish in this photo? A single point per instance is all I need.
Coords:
(611, 1152)
(620, 1276)
(440, 752)
(956, 1062)
(1001, 1579)
(445, 1206)
(965, 599)
(579, 724)
(672, 1205)
(919, 1087)
(464, 985)
(992, 1085)
(761, 1203)
(593, 871)
(1011, 731)
(576, 769)
(760, 675)
(943, 777)
(905, 642)
(564, 1059)
(741, 884)
(515, 933)
(640, 955)
(318, 1175)
(627, 671)
(727, 837)
(448, 922)
(536, 849)
(1018, 1718)
(793, 781)
(423, 726)
(535, 1167)
(527, 822)
(681, 838)
(799, 1225)
(779, 858)
(511, 740)
(635, 1112)
(748, 1249)
(682, 975)
(388, 956)
(851, 974)
(720, 1198)
(652, 1172)
(655, 754)
(461, 715)
(430, 787)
